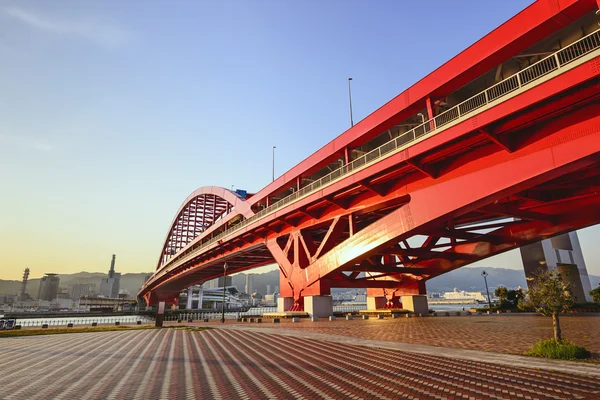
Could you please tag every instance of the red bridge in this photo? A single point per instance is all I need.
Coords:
(496, 149)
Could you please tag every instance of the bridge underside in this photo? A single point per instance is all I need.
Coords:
(393, 226)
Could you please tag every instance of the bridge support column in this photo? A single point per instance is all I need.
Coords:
(188, 305)
(285, 303)
(376, 302)
(160, 314)
(318, 306)
(200, 295)
(416, 303)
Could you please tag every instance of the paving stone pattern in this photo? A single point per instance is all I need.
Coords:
(512, 334)
(236, 364)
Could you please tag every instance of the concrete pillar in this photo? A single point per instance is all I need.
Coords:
(188, 305)
(376, 302)
(200, 295)
(562, 252)
(318, 306)
(416, 303)
(284, 303)
(160, 315)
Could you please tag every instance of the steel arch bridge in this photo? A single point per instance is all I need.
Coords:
(395, 201)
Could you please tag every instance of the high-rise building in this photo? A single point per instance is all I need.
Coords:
(79, 290)
(563, 254)
(228, 281)
(48, 290)
(268, 289)
(109, 287)
(249, 284)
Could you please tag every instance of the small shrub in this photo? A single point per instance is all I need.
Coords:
(563, 350)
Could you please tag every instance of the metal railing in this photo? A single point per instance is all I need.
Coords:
(80, 321)
(551, 63)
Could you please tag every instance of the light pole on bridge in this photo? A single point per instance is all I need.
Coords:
(350, 98)
(273, 170)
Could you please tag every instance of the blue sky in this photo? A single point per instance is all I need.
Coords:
(113, 112)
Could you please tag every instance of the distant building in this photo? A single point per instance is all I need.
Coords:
(228, 282)
(249, 284)
(109, 287)
(48, 290)
(269, 289)
(79, 290)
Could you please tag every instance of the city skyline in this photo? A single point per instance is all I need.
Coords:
(113, 87)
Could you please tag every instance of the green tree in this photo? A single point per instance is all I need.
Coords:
(596, 294)
(502, 293)
(514, 297)
(550, 295)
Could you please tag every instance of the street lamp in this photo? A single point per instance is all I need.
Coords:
(485, 274)
(224, 284)
(350, 98)
(273, 174)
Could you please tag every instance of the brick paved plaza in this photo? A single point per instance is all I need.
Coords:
(239, 363)
(505, 333)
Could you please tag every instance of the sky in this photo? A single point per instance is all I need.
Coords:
(113, 112)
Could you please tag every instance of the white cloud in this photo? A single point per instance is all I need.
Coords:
(105, 35)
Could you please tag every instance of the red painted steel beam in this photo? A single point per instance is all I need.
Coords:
(537, 21)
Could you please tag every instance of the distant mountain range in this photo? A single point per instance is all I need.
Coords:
(468, 279)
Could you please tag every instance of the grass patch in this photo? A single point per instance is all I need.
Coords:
(563, 350)
(58, 331)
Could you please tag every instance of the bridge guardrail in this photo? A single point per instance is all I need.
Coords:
(552, 62)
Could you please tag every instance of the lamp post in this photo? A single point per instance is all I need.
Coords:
(224, 285)
(273, 170)
(485, 274)
(350, 98)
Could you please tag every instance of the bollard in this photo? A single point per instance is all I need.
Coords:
(488, 312)
(394, 316)
(139, 322)
(408, 315)
(259, 320)
(314, 319)
(251, 319)
(94, 324)
(190, 320)
(498, 312)
(276, 320)
(70, 325)
(380, 316)
(295, 319)
(205, 320)
(365, 316)
(332, 317)
(44, 326)
(240, 320)
(17, 326)
(117, 323)
(179, 321)
(348, 317)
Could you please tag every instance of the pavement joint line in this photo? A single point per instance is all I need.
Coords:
(512, 360)
(278, 365)
(412, 376)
